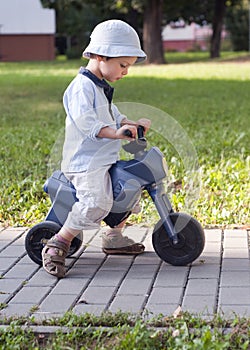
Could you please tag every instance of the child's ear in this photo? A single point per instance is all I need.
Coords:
(100, 58)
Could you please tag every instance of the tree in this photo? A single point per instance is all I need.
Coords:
(237, 23)
(76, 18)
(74, 21)
(145, 14)
(217, 26)
(152, 27)
(201, 12)
(209, 11)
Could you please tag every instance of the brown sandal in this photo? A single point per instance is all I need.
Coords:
(54, 263)
(134, 249)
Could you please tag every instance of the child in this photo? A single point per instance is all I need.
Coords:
(94, 129)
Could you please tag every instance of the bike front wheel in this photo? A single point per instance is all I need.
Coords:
(191, 240)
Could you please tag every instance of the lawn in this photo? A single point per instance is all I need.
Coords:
(195, 105)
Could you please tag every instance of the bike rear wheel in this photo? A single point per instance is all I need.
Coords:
(38, 236)
(191, 240)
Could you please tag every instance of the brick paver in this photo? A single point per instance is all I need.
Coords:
(217, 282)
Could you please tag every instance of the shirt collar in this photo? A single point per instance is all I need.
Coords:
(108, 90)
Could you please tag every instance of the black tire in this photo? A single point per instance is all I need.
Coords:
(39, 234)
(191, 240)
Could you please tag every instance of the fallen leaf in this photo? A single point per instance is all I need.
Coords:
(177, 312)
(82, 301)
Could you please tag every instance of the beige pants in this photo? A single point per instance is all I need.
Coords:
(94, 192)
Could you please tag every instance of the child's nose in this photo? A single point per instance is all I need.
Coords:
(125, 71)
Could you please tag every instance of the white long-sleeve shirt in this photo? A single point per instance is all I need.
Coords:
(88, 111)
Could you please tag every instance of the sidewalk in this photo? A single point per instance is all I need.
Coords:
(217, 282)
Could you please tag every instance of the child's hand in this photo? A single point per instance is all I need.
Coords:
(120, 133)
(145, 123)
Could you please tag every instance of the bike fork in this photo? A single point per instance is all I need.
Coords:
(164, 208)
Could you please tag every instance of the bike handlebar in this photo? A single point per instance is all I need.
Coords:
(140, 132)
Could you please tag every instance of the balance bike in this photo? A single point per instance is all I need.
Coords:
(178, 238)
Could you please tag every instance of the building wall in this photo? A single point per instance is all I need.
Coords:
(27, 31)
(186, 37)
(29, 47)
(185, 45)
(178, 45)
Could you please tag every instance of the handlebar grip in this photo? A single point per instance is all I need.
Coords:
(140, 132)
(127, 133)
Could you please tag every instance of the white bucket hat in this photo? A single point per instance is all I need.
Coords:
(115, 38)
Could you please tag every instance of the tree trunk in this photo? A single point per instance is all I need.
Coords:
(152, 39)
(218, 18)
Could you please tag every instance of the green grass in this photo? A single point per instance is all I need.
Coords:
(208, 99)
(130, 332)
(203, 56)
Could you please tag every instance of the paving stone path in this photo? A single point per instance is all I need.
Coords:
(217, 282)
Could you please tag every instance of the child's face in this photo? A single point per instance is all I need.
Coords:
(113, 69)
